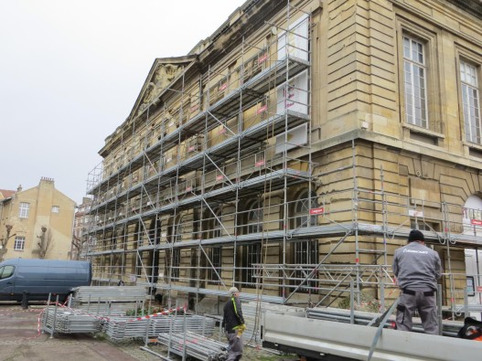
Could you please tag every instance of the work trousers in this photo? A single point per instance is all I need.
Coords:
(422, 301)
(235, 348)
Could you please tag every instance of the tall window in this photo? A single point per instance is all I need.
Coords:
(302, 216)
(255, 218)
(251, 254)
(139, 264)
(415, 81)
(215, 230)
(471, 102)
(23, 211)
(19, 244)
(216, 226)
(176, 252)
(305, 252)
(176, 262)
(215, 258)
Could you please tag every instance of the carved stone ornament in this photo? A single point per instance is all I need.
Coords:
(164, 74)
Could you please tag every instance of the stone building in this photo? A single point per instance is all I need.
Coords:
(81, 223)
(291, 152)
(36, 222)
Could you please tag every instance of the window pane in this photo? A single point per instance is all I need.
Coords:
(215, 265)
(255, 218)
(19, 244)
(415, 82)
(6, 271)
(23, 211)
(406, 47)
(471, 103)
(176, 262)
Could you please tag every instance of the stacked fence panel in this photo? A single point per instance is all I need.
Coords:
(193, 345)
(61, 320)
(109, 300)
(123, 328)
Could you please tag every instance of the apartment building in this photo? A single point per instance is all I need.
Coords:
(36, 222)
(290, 153)
(81, 224)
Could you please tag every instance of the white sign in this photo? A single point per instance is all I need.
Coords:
(415, 213)
(293, 95)
(294, 42)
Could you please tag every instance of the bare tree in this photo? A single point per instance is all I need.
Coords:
(78, 244)
(4, 241)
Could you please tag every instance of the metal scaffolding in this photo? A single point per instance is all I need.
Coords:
(213, 183)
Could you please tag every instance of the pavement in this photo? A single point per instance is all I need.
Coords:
(22, 340)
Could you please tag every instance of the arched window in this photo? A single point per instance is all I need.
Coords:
(302, 216)
(472, 216)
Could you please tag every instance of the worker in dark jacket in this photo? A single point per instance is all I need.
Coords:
(233, 324)
(417, 269)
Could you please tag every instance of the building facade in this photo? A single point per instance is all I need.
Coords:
(81, 224)
(290, 154)
(36, 222)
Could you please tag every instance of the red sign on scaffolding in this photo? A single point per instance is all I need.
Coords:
(262, 109)
(223, 86)
(476, 222)
(262, 58)
(316, 211)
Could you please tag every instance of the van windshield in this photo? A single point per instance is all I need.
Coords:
(6, 271)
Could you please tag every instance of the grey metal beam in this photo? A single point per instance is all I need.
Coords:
(354, 341)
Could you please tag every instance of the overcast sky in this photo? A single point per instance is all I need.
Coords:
(71, 70)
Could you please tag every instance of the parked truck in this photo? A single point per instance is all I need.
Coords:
(473, 264)
(34, 279)
(332, 340)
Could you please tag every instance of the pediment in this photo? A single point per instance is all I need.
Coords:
(163, 73)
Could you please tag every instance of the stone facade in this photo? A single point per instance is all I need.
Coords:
(297, 141)
(41, 220)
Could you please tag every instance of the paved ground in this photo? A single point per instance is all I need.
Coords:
(22, 340)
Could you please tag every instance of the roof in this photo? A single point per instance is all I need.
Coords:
(6, 193)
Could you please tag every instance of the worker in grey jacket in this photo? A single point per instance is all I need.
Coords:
(417, 269)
